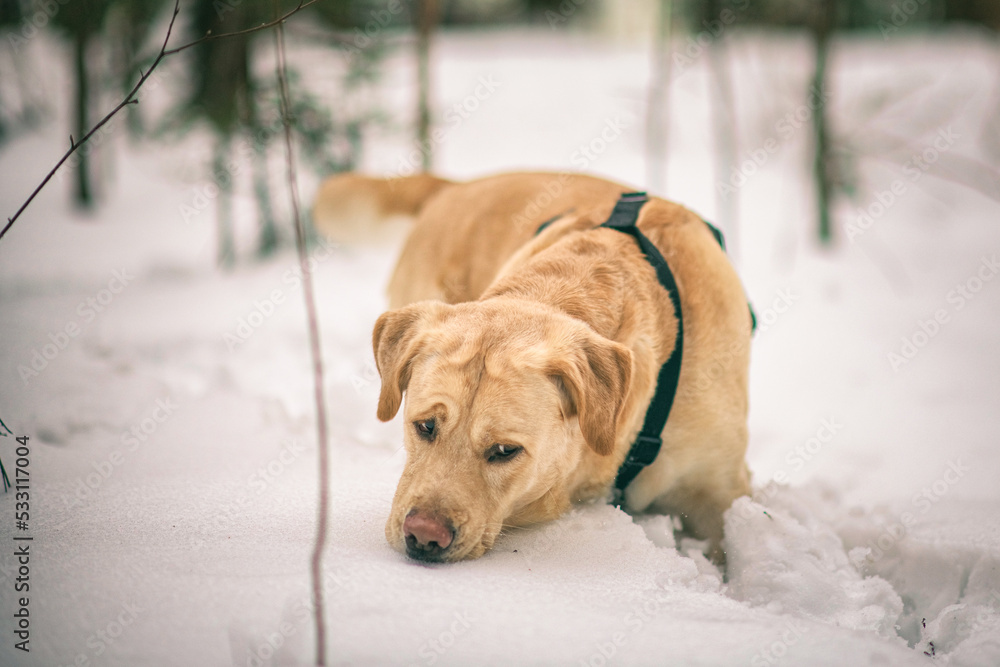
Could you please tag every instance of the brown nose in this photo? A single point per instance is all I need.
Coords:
(427, 536)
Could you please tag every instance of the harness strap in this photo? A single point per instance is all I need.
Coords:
(647, 445)
(544, 225)
(721, 240)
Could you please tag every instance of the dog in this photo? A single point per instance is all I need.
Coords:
(528, 359)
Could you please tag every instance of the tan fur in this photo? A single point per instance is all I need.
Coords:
(351, 208)
(553, 342)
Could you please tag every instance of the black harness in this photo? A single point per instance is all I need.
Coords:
(647, 444)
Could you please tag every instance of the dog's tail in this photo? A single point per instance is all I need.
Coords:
(355, 209)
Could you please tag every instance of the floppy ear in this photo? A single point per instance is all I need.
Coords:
(596, 374)
(395, 343)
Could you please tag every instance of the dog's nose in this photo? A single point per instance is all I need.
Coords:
(427, 536)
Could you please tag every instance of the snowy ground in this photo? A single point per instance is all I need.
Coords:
(173, 473)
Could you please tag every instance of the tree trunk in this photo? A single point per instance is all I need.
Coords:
(130, 46)
(83, 194)
(3, 126)
(33, 105)
(726, 143)
(658, 108)
(268, 239)
(723, 119)
(990, 133)
(426, 18)
(822, 167)
(224, 206)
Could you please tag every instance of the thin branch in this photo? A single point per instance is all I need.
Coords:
(263, 26)
(317, 359)
(322, 35)
(130, 98)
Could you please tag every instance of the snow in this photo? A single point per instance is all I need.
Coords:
(173, 487)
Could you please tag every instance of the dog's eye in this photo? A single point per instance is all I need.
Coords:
(426, 429)
(498, 453)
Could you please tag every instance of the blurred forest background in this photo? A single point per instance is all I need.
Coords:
(109, 42)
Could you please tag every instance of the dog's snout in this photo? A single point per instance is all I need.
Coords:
(427, 536)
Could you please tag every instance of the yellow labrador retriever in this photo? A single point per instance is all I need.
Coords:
(528, 359)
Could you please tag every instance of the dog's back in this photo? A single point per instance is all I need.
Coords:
(463, 237)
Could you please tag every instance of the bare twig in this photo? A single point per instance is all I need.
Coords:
(263, 26)
(73, 145)
(317, 359)
(130, 98)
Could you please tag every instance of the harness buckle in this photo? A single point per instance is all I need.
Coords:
(644, 450)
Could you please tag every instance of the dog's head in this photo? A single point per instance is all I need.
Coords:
(503, 397)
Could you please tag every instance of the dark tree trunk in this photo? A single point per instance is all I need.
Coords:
(224, 206)
(724, 117)
(268, 239)
(726, 142)
(658, 109)
(426, 19)
(822, 166)
(83, 194)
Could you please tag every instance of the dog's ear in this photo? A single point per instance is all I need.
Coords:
(395, 342)
(596, 373)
